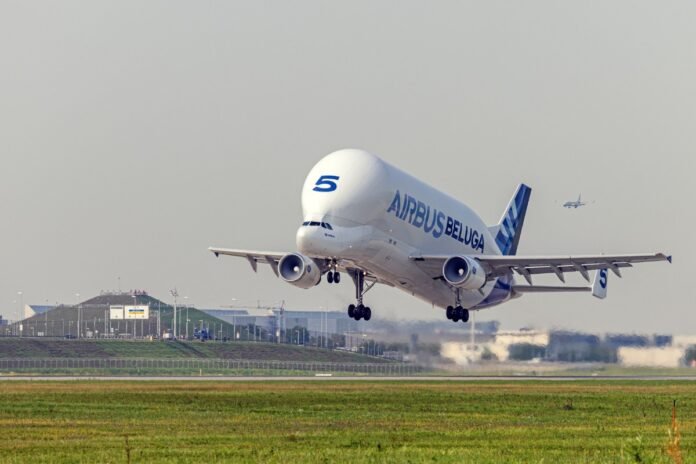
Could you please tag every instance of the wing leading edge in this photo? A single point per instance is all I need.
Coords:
(254, 257)
(273, 258)
(527, 266)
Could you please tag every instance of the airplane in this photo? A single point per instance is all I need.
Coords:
(376, 223)
(574, 204)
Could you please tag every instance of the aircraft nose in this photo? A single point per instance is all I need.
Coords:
(316, 238)
(307, 240)
(301, 239)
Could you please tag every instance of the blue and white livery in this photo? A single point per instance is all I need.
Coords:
(378, 224)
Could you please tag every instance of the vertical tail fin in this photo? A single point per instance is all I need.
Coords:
(507, 232)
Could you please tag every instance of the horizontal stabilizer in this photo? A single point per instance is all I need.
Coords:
(547, 289)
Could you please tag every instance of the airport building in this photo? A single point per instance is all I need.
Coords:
(568, 347)
(135, 314)
(33, 310)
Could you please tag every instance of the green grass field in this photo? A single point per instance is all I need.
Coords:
(361, 421)
(52, 348)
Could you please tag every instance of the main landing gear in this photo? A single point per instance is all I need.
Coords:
(457, 313)
(359, 311)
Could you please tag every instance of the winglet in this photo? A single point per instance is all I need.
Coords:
(599, 286)
(669, 258)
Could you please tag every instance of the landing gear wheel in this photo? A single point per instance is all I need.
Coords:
(359, 312)
(458, 313)
(351, 311)
(330, 277)
(337, 277)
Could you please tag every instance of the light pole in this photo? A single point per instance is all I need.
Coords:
(79, 310)
(21, 312)
(175, 294)
(135, 322)
(187, 318)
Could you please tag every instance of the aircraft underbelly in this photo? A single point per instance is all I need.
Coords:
(394, 266)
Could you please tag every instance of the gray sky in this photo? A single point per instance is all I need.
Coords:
(133, 135)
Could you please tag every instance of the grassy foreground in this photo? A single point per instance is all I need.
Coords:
(365, 421)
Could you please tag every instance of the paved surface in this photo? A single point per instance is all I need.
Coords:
(339, 378)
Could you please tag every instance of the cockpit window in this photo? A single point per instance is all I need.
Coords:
(324, 225)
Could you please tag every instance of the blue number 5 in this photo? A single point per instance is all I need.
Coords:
(326, 184)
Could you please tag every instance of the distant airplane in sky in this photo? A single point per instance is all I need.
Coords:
(378, 224)
(574, 204)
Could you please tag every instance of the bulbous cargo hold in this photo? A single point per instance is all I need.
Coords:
(299, 270)
(363, 196)
(347, 187)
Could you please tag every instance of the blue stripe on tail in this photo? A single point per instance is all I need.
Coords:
(510, 227)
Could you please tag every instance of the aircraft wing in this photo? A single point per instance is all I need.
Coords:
(254, 257)
(527, 266)
(273, 257)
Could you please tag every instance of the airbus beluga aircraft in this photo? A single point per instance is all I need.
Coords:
(378, 224)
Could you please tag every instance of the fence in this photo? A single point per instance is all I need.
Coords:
(229, 366)
(100, 327)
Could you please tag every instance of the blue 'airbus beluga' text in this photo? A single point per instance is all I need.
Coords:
(434, 222)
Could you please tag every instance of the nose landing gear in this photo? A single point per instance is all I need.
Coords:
(333, 277)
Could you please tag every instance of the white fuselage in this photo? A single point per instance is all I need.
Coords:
(380, 217)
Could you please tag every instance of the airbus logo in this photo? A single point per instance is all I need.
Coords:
(434, 222)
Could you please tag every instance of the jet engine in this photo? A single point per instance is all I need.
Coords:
(464, 272)
(299, 270)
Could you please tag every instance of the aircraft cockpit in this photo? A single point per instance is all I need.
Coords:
(324, 225)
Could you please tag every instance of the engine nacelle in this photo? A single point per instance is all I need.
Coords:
(464, 272)
(299, 270)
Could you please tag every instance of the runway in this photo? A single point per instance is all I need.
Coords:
(327, 378)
